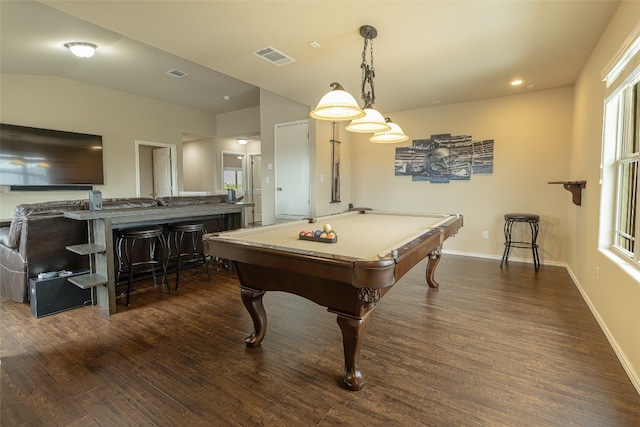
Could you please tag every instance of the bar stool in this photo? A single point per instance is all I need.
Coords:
(126, 240)
(195, 231)
(533, 221)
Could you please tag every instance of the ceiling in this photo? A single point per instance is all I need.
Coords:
(426, 52)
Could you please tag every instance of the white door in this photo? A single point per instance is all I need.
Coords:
(256, 186)
(292, 169)
(162, 172)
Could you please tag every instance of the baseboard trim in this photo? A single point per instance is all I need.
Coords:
(626, 365)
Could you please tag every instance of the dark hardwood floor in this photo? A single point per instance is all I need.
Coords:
(490, 347)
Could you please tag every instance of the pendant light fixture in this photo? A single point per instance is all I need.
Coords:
(337, 105)
(391, 136)
(372, 121)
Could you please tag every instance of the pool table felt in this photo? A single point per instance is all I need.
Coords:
(369, 236)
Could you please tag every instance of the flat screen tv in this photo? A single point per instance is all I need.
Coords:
(33, 157)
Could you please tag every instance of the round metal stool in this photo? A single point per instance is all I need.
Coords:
(126, 240)
(533, 220)
(188, 252)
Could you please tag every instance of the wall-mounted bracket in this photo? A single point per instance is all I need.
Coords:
(575, 187)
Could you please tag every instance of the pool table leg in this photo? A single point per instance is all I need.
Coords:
(432, 262)
(353, 333)
(252, 300)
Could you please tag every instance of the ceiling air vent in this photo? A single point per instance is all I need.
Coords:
(176, 73)
(274, 56)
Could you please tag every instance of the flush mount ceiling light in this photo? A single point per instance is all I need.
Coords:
(242, 141)
(391, 136)
(81, 49)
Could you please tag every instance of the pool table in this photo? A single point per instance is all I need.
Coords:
(372, 251)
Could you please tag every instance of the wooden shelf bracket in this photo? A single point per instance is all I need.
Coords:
(575, 187)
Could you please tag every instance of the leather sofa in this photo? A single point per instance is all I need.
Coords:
(36, 240)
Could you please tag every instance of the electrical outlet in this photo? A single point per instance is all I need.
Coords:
(485, 234)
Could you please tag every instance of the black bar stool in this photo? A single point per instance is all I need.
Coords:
(533, 220)
(191, 253)
(126, 240)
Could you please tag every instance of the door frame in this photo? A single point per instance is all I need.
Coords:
(251, 185)
(174, 164)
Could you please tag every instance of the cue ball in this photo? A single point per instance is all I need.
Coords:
(327, 228)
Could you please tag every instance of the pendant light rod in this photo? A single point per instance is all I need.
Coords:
(368, 33)
(372, 121)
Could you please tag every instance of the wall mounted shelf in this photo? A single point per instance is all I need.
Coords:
(575, 187)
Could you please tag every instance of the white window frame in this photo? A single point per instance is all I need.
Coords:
(621, 122)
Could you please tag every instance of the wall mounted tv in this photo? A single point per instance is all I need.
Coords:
(45, 159)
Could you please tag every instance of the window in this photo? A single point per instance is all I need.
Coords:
(626, 167)
(232, 170)
(233, 179)
(621, 150)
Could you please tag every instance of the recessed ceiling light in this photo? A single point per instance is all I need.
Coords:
(226, 97)
(516, 82)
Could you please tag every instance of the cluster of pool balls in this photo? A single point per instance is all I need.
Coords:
(325, 233)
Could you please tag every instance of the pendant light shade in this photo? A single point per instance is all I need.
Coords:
(371, 122)
(392, 136)
(337, 106)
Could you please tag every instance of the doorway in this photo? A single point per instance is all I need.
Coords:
(156, 171)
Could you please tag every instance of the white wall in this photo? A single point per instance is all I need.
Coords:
(199, 167)
(56, 103)
(277, 109)
(532, 137)
(242, 122)
(615, 297)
